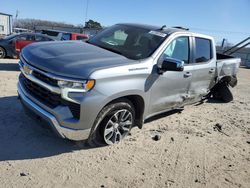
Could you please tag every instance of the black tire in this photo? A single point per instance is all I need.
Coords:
(2, 53)
(222, 92)
(96, 138)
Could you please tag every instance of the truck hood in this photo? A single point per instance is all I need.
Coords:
(71, 58)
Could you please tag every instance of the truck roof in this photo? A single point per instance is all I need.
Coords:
(166, 30)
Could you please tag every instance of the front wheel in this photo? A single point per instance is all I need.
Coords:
(113, 123)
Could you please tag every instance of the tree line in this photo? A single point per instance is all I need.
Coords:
(30, 24)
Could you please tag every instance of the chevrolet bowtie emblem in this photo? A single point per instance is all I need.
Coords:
(27, 69)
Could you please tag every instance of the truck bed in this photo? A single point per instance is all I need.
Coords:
(227, 65)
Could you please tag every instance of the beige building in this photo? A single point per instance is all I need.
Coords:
(5, 24)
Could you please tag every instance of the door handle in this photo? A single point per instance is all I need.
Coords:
(211, 71)
(187, 74)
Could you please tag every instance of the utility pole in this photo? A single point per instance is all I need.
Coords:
(14, 21)
(17, 12)
(86, 11)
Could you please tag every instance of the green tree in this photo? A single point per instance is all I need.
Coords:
(93, 24)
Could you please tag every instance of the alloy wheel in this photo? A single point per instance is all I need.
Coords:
(118, 126)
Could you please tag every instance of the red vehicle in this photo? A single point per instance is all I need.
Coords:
(29, 38)
(62, 35)
(77, 36)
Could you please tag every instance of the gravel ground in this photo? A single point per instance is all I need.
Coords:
(206, 145)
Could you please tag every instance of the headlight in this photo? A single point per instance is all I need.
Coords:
(84, 85)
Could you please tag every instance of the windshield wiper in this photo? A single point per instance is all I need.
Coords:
(106, 48)
(111, 49)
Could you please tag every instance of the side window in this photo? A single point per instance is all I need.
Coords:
(26, 37)
(178, 49)
(42, 38)
(66, 36)
(203, 50)
(39, 38)
(30, 37)
(22, 37)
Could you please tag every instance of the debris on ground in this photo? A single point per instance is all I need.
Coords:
(218, 127)
(156, 137)
(24, 174)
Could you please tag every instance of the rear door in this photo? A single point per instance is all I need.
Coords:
(204, 66)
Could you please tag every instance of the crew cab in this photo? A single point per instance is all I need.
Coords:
(99, 90)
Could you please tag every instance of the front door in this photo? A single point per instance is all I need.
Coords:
(170, 90)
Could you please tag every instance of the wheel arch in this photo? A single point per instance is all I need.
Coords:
(138, 104)
(229, 80)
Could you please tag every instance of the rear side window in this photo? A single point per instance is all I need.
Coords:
(203, 50)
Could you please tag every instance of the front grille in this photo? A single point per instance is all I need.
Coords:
(43, 95)
(45, 78)
(47, 97)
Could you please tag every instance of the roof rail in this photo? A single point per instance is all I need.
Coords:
(179, 27)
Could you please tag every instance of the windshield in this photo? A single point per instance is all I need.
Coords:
(132, 42)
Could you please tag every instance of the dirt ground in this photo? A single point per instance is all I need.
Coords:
(193, 151)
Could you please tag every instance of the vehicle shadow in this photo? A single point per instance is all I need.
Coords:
(163, 115)
(23, 138)
(212, 100)
(9, 67)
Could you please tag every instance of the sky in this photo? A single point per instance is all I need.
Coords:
(228, 19)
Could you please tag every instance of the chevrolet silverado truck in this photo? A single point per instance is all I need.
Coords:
(99, 90)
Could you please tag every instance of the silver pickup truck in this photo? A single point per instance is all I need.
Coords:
(99, 90)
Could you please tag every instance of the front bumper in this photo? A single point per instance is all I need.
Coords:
(71, 134)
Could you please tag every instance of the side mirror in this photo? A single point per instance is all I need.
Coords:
(170, 64)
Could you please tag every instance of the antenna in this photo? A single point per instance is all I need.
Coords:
(163, 27)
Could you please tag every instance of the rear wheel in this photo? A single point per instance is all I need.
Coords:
(222, 92)
(113, 124)
(2, 53)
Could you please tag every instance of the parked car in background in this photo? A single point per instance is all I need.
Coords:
(8, 44)
(62, 35)
(20, 30)
(21, 42)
